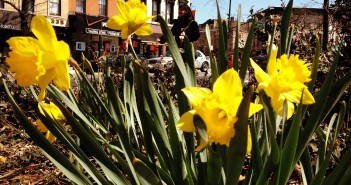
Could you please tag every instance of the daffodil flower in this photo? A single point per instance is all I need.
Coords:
(40, 61)
(55, 113)
(217, 109)
(285, 80)
(131, 19)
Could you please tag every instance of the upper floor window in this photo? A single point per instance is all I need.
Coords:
(102, 7)
(2, 4)
(170, 12)
(28, 5)
(80, 6)
(55, 7)
(155, 9)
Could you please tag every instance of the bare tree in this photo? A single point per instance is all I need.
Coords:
(25, 13)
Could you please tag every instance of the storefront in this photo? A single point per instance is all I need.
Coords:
(89, 35)
(150, 45)
(9, 27)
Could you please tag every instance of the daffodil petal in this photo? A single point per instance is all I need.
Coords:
(52, 110)
(254, 108)
(44, 81)
(228, 85)
(186, 123)
(249, 141)
(50, 137)
(117, 23)
(44, 31)
(271, 66)
(307, 97)
(145, 29)
(40, 125)
(201, 146)
(260, 75)
(196, 94)
(62, 79)
(278, 106)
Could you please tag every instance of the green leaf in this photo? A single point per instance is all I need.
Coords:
(290, 145)
(201, 127)
(145, 174)
(325, 164)
(236, 49)
(174, 50)
(256, 163)
(317, 111)
(66, 139)
(91, 143)
(291, 33)
(49, 150)
(214, 167)
(272, 160)
(214, 68)
(238, 144)
(284, 29)
(247, 51)
(340, 170)
(222, 44)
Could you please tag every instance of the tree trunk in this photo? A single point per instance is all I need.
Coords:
(325, 24)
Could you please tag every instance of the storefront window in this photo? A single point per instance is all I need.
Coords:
(80, 6)
(102, 7)
(170, 12)
(155, 9)
(55, 7)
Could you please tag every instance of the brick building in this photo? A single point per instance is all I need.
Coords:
(82, 23)
(14, 22)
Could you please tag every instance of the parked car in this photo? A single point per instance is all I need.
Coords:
(162, 62)
(202, 62)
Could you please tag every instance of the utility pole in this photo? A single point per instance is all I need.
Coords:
(229, 24)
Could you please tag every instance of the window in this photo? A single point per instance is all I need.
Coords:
(102, 7)
(80, 6)
(55, 7)
(28, 5)
(170, 12)
(155, 9)
(2, 4)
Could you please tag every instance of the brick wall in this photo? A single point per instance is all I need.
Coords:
(92, 7)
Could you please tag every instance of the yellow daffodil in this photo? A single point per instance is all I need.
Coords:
(217, 109)
(285, 80)
(42, 60)
(55, 113)
(131, 19)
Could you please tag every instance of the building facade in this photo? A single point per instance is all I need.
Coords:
(15, 19)
(82, 24)
(87, 28)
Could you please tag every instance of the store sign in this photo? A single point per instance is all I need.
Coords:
(7, 26)
(102, 32)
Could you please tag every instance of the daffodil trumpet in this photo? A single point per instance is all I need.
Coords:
(40, 60)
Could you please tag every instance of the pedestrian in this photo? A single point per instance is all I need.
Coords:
(185, 25)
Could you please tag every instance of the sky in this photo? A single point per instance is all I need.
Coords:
(206, 9)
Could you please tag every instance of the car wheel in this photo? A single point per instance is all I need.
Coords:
(204, 67)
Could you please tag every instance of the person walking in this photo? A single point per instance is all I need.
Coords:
(185, 25)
